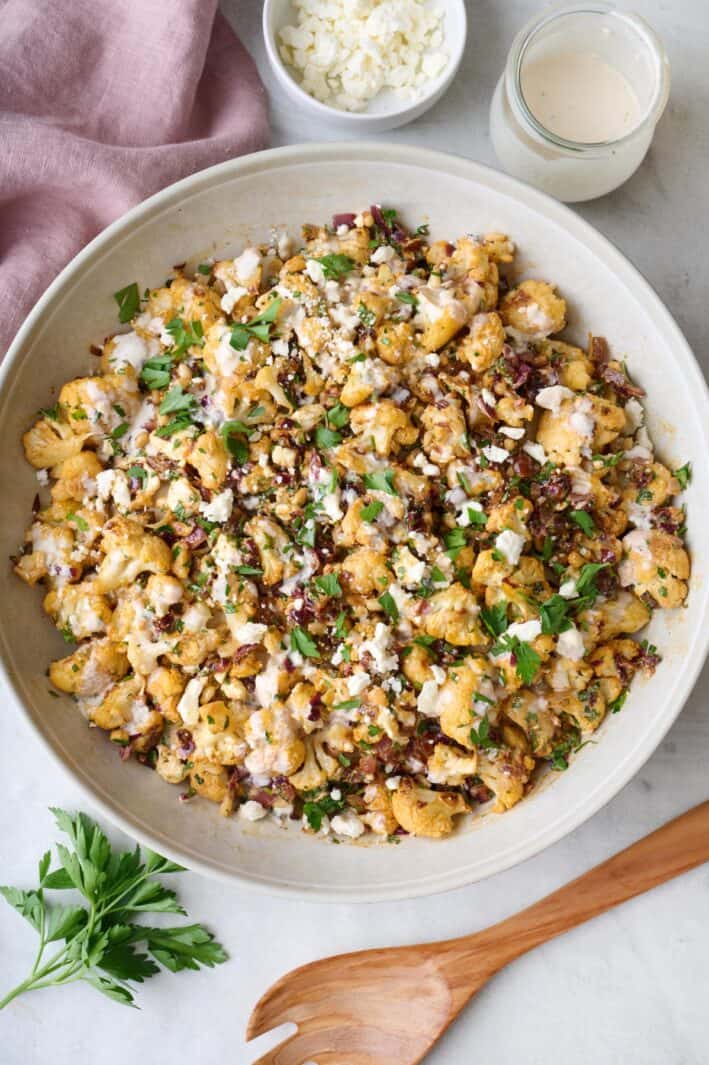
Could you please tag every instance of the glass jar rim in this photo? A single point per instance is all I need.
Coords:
(644, 33)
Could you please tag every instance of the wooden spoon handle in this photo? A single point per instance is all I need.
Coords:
(678, 846)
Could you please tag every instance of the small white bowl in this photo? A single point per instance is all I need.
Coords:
(387, 110)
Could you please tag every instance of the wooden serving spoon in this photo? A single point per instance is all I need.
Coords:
(389, 1006)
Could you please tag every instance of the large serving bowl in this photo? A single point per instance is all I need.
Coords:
(218, 211)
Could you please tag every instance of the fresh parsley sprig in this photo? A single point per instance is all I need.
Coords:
(100, 940)
(259, 327)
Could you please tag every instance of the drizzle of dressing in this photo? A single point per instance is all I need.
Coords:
(578, 96)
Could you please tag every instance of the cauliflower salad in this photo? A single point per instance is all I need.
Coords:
(340, 533)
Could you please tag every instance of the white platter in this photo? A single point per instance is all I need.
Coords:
(220, 210)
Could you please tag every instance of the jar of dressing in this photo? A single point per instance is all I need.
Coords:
(576, 107)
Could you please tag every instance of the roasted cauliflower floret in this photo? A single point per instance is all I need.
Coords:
(442, 316)
(75, 476)
(129, 551)
(533, 309)
(453, 615)
(217, 736)
(456, 705)
(656, 564)
(384, 424)
(90, 669)
(78, 610)
(209, 457)
(422, 812)
(586, 708)
(275, 747)
(540, 723)
(50, 442)
(485, 341)
(445, 431)
(165, 686)
(366, 572)
(506, 774)
(451, 767)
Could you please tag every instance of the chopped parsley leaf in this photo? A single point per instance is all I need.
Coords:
(383, 481)
(128, 300)
(302, 642)
(584, 521)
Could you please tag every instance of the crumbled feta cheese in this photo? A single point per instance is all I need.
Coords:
(495, 454)
(378, 648)
(570, 644)
(427, 702)
(188, 706)
(383, 254)
(346, 51)
(582, 424)
(568, 590)
(511, 545)
(232, 296)
(315, 271)
(535, 451)
(246, 265)
(250, 632)
(252, 811)
(552, 397)
(358, 682)
(347, 824)
(219, 507)
(525, 630)
(512, 432)
(634, 414)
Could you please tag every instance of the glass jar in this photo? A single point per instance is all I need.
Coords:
(574, 170)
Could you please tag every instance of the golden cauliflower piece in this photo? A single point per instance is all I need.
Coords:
(50, 442)
(209, 457)
(448, 766)
(217, 736)
(130, 551)
(533, 309)
(456, 701)
(657, 565)
(365, 571)
(79, 610)
(385, 424)
(275, 746)
(90, 669)
(74, 476)
(586, 708)
(452, 615)
(505, 773)
(422, 812)
(485, 341)
(445, 431)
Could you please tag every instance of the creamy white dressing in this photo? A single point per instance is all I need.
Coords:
(577, 95)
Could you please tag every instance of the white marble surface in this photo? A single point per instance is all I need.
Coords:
(627, 989)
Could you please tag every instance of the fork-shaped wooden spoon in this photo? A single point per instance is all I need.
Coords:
(389, 1006)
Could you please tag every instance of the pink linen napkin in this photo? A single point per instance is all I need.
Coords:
(103, 102)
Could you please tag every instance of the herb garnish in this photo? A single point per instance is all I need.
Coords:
(302, 642)
(128, 300)
(336, 266)
(380, 482)
(100, 940)
(371, 511)
(584, 521)
(259, 327)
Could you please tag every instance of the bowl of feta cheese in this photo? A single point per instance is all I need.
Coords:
(365, 65)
